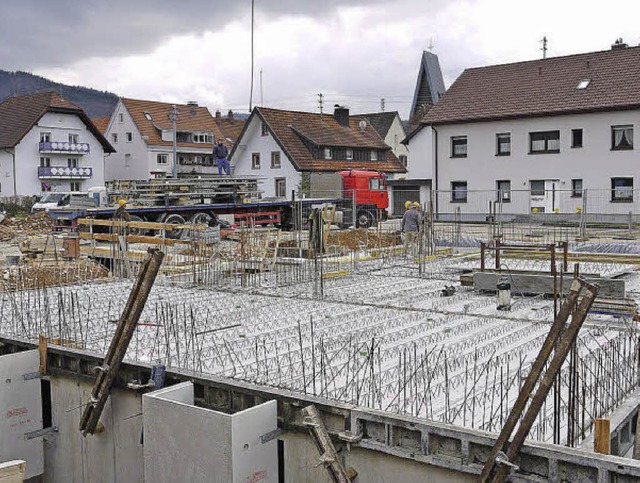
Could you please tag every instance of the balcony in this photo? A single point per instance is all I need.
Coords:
(64, 172)
(64, 147)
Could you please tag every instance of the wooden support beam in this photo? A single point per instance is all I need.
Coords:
(328, 454)
(42, 350)
(602, 440)
(151, 240)
(562, 339)
(108, 372)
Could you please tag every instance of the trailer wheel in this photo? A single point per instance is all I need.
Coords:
(137, 231)
(201, 218)
(365, 219)
(174, 219)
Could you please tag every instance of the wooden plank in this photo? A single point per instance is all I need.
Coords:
(543, 283)
(602, 440)
(42, 350)
(151, 240)
(143, 225)
(12, 471)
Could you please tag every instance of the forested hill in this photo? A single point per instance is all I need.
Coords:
(95, 103)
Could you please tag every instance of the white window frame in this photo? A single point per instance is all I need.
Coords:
(72, 162)
(75, 186)
(73, 138)
(114, 137)
(45, 162)
(255, 160)
(327, 153)
(374, 155)
(162, 158)
(45, 137)
(129, 137)
(280, 185)
(276, 160)
(349, 154)
(120, 117)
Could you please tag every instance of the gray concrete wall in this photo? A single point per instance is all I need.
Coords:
(184, 442)
(114, 455)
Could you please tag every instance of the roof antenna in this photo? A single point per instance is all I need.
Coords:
(320, 104)
(544, 47)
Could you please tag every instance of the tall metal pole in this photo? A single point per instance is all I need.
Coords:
(251, 90)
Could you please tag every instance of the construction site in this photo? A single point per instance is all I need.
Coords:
(505, 349)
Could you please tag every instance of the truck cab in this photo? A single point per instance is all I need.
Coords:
(369, 190)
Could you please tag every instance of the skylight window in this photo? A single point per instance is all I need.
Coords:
(148, 116)
(583, 84)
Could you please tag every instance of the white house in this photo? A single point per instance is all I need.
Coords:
(142, 133)
(549, 135)
(48, 143)
(293, 151)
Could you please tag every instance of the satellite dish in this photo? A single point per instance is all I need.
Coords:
(362, 124)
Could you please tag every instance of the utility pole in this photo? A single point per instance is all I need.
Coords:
(251, 90)
(261, 91)
(382, 104)
(173, 116)
(544, 47)
(320, 104)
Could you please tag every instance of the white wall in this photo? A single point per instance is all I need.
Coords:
(6, 173)
(254, 142)
(394, 138)
(595, 163)
(141, 162)
(28, 156)
(420, 164)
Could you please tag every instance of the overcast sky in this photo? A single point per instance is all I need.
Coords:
(355, 52)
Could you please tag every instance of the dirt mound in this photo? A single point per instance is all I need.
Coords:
(36, 224)
(361, 238)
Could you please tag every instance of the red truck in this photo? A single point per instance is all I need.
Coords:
(201, 200)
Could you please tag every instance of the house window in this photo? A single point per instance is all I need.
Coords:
(622, 189)
(576, 188)
(45, 137)
(72, 162)
(544, 142)
(281, 187)
(275, 159)
(458, 146)
(395, 140)
(255, 161)
(162, 159)
(45, 162)
(129, 137)
(120, 117)
(114, 138)
(73, 139)
(621, 137)
(374, 155)
(203, 138)
(583, 84)
(503, 188)
(349, 154)
(127, 160)
(148, 116)
(503, 144)
(264, 130)
(327, 153)
(74, 186)
(403, 160)
(576, 138)
(458, 191)
(537, 187)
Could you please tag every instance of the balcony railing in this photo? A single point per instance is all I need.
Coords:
(64, 172)
(64, 147)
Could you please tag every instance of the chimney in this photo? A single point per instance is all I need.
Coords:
(230, 115)
(192, 103)
(619, 44)
(341, 114)
(218, 114)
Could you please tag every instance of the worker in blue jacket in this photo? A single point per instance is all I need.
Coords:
(220, 153)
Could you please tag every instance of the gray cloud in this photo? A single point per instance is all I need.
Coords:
(40, 34)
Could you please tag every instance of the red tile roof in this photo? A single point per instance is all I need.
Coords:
(190, 118)
(19, 114)
(101, 123)
(297, 132)
(544, 87)
(230, 128)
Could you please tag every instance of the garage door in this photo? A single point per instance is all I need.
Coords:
(402, 194)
